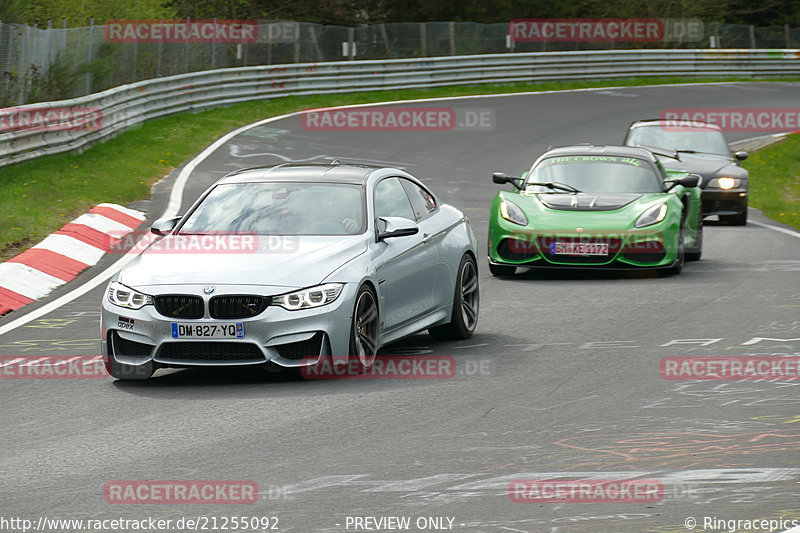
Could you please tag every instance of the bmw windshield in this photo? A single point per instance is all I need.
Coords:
(595, 174)
(693, 139)
(280, 208)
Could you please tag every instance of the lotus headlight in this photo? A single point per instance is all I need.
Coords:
(724, 183)
(308, 298)
(119, 294)
(512, 212)
(653, 215)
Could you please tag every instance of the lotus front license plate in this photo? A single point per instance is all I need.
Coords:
(207, 331)
(578, 248)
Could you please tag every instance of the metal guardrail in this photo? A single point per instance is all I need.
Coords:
(128, 105)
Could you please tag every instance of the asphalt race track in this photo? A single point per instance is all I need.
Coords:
(560, 381)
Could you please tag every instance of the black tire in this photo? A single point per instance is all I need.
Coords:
(466, 304)
(365, 327)
(128, 372)
(502, 270)
(696, 251)
(735, 220)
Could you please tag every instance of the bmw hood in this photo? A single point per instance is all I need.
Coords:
(277, 261)
(587, 202)
(706, 165)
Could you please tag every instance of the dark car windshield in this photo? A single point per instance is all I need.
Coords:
(596, 174)
(695, 139)
(280, 208)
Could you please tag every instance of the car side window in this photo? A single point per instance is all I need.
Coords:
(421, 200)
(391, 200)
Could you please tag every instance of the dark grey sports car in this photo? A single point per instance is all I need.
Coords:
(700, 148)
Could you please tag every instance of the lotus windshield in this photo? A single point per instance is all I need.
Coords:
(595, 174)
(690, 139)
(280, 208)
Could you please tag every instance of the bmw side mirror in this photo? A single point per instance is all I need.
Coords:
(740, 156)
(163, 226)
(396, 227)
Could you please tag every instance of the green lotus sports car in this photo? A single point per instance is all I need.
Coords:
(607, 207)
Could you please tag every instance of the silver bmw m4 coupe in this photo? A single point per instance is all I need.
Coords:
(282, 266)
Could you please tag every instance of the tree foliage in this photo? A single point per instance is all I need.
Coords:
(355, 12)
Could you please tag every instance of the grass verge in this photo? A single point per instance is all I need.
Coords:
(39, 196)
(775, 180)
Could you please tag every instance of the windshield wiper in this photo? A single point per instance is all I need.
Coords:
(555, 185)
(696, 152)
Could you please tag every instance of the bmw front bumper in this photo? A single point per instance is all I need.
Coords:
(287, 338)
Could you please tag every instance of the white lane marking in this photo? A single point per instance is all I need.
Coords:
(176, 194)
(172, 209)
(73, 248)
(125, 210)
(102, 224)
(775, 228)
(27, 281)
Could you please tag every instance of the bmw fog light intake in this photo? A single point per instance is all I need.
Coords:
(119, 294)
(309, 298)
(652, 216)
(512, 212)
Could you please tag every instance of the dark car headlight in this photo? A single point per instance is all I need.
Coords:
(724, 182)
(308, 298)
(123, 296)
(652, 215)
(513, 213)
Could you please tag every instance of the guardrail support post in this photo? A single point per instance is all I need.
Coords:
(451, 27)
(89, 56)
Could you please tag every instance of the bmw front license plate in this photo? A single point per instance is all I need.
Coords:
(578, 248)
(207, 331)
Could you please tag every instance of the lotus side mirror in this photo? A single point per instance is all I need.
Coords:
(162, 226)
(740, 156)
(692, 180)
(501, 177)
(397, 227)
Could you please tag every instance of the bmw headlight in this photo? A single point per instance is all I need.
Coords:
(308, 298)
(653, 215)
(119, 294)
(512, 212)
(724, 182)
